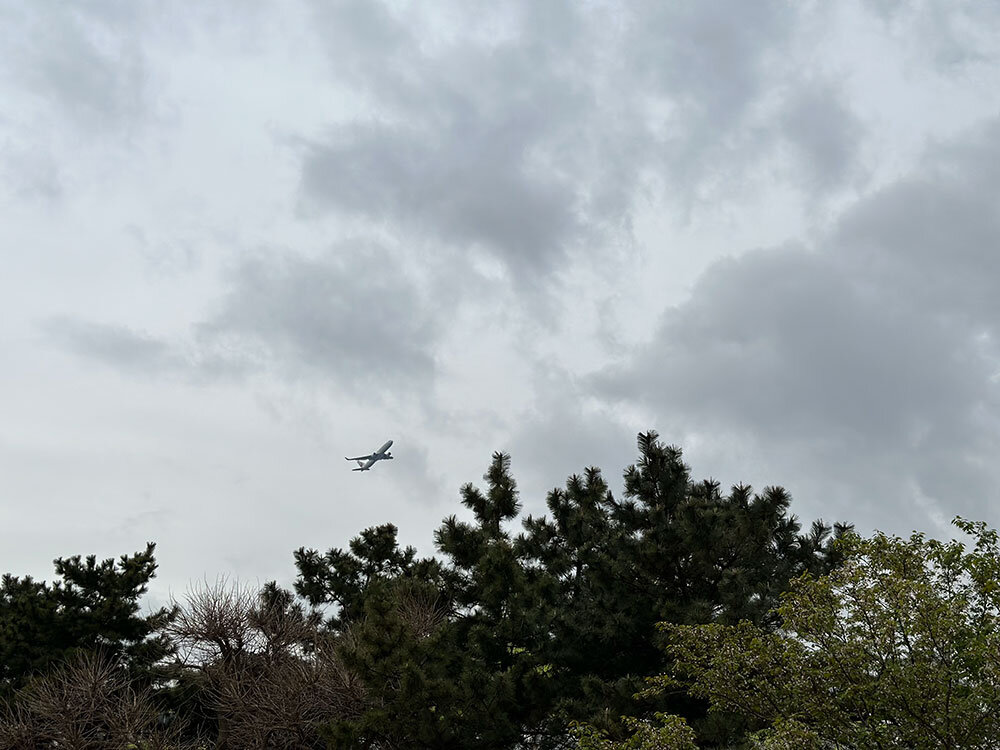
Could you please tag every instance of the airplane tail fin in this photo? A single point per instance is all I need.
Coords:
(361, 464)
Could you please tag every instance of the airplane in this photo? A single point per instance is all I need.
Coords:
(365, 462)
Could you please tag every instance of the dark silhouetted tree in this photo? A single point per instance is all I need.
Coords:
(94, 607)
(556, 624)
(672, 550)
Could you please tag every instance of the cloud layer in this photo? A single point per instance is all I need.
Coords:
(240, 244)
(875, 351)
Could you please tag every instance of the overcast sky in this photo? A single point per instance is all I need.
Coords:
(241, 241)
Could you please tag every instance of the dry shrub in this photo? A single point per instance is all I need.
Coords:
(269, 672)
(421, 610)
(88, 703)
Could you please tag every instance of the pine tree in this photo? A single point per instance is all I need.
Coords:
(342, 578)
(559, 623)
(672, 550)
(499, 616)
(94, 607)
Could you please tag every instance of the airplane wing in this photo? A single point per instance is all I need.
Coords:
(360, 458)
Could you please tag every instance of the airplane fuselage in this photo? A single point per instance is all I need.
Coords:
(365, 463)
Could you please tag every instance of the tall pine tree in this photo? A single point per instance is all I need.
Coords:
(94, 607)
(557, 623)
(673, 550)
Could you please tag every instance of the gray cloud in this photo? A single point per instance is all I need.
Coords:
(930, 239)
(84, 58)
(461, 153)
(71, 74)
(351, 315)
(533, 131)
(562, 433)
(351, 318)
(120, 347)
(467, 182)
(413, 475)
(30, 171)
(818, 125)
(781, 340)
(709, 62)
(874, 357)
(950, 34)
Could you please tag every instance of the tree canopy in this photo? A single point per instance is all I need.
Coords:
(537, 631)
(94, 606)
(897, 647)
(557, 623)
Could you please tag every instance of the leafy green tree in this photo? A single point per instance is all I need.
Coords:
(665, 732)
(898, 647)
(94, 607)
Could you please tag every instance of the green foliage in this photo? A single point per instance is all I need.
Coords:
(557, 623)
(447, 661)
(421, 689)
(95, 606)
(498, 616)
(898, 647)
(673, 550)
(506, 640)
(666, 732)
(787, 734)
(342, 578)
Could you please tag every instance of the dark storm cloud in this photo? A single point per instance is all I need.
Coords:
(530, 129)
(873, 358)
(351, 316)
